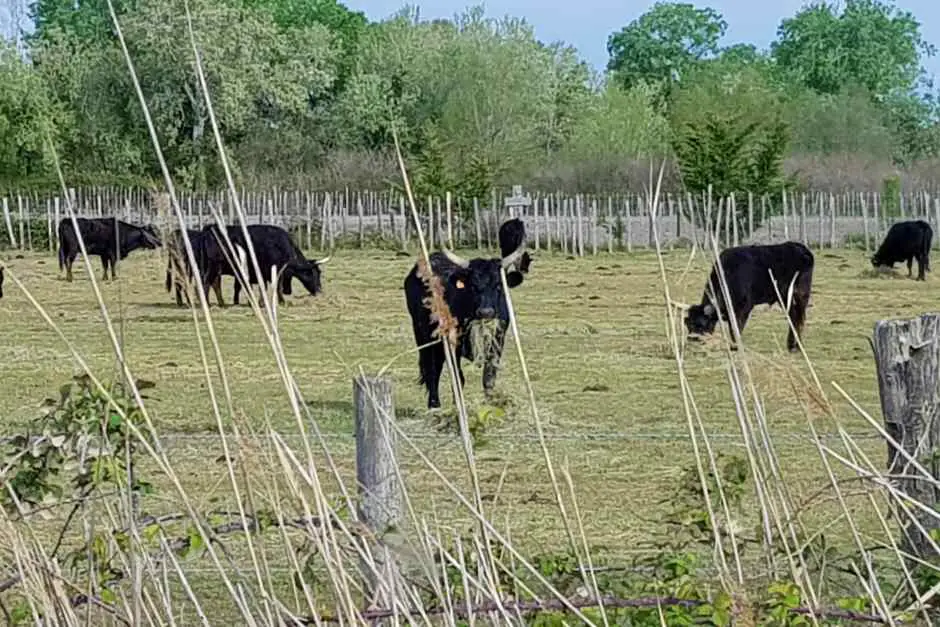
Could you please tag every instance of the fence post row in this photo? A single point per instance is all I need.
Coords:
(560, 222)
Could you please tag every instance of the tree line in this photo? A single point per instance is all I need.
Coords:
(307, 95)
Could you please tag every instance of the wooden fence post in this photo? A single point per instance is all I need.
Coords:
(907, 361)
(380, 498)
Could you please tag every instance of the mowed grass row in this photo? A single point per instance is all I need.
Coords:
(594, 335)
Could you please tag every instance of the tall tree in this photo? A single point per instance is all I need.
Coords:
(664, 42)
(27, 117)
(869, 43)
(346, 26)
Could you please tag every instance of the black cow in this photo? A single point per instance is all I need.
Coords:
(906, 241)
(747, 275)
(179, 271)
(98, 234)
(273, 247)
(473, 291)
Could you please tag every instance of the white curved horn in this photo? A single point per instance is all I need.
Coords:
(455, 258)
(678, 305)
(512, 257)
(320, 262)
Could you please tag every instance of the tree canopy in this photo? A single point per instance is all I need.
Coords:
(309, 92)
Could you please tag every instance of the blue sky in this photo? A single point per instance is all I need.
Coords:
(586, 24)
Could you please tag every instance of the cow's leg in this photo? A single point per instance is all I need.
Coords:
(432, 358)
(797, 316)
(491, 359)
(921, 266)
(910, 262)
(104, 264)
(109, 261)
(69, 260)
(213, 279)
(458, 351)
(217, 288)
(741, 315)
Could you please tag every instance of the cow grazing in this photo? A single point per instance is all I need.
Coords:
(109, 238)
(906, 241)
(273, 247)
(472, 290)
(747, 274)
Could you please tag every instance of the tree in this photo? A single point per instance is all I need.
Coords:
(260, 77)
(497, 99)
(347, 26)
(870, 43)
(730, 133)
(27, 117)
(616, 126)
(663, 43)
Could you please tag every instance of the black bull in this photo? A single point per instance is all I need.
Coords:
(472, 290)
(99, 237)
(906, 241)
(747, 273)
(273, 248)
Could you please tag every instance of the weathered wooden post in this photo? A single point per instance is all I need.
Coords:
(907, 360)
(380, 498)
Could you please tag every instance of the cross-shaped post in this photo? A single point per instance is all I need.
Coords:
(517, 200)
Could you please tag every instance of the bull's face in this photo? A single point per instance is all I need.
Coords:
(151, 236)
(474, 289)
(308, 273)
(701, 319)
(476, 292)
(143, 237)
(309, 276)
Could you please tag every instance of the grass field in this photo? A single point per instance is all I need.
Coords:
(594, 335)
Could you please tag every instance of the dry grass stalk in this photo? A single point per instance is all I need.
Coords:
(447, 324)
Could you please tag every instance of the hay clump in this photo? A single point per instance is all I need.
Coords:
(482, 336)
(880, 272)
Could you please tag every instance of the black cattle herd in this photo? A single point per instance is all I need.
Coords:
(471, 288)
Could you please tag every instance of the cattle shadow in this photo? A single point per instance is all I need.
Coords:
(171, 305)
(167, 319)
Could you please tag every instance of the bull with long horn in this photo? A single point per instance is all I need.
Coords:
(458, 293)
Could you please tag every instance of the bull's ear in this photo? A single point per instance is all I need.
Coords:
(514, 279)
